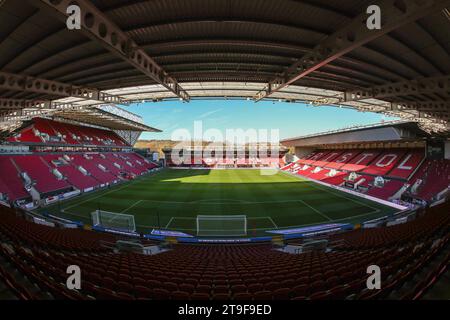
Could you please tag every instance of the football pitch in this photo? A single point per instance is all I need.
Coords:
(172, 199)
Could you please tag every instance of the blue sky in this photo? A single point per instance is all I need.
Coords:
(292, 119)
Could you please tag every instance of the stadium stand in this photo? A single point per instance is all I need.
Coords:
(399, 168)
(55, 171)
(384, 163)
(48, 131)
(75, 170)
(87, 161)
(40, 172)
(432, 178)
(387, 190)
(10, 183)
(345, 157)
(361, 161)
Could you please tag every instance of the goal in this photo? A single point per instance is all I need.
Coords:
(221, 226)
(113, 220)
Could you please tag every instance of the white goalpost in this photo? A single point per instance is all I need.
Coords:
(221, 226)
(113, 220)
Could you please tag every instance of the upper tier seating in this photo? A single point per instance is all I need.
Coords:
(367, 183)
(107, 163)
(40, 171)
(27, 135)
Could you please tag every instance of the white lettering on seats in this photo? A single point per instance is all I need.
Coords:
(380, 162)
(344, 157)
(317, 156)
(331, 155)
(364, 156)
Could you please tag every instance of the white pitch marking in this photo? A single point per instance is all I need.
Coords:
(132, 206)
(168, 223)
(270, 218)
(315, 210)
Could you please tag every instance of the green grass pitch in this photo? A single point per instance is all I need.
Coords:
(178, 196)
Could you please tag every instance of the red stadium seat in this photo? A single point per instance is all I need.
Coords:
(323, 275)
(262, 295)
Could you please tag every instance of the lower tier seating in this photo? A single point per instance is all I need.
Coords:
(18, 230)
(427, 178)
(92, 167)
(41, 171)
(437, 220)
(222, 272)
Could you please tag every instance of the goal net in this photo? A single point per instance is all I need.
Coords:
(113, 220)
(221, 226)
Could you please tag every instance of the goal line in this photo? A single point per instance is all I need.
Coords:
(221, 225)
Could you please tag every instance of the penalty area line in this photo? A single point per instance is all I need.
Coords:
(316, 211)
(132, 206)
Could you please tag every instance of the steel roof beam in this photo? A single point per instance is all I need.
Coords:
(44, 108)
(100, 28)
(353, 35)
(18, 104)
(426, 106)
(14, 104)
(440, 85)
